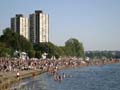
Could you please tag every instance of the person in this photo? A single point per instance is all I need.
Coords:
(55, 77)
(33, 74)
(18, 74)
(59, 77)
(64, 75)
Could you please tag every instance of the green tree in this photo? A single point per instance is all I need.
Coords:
(74, 48)
(14, 41)
(10, 38)
(4, 51)
(31, 53)
(48, 48)
(38, 54)
(25, 45)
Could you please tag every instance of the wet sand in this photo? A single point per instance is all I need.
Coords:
(9, 78)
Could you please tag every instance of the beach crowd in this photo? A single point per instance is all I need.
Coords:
(11, 64)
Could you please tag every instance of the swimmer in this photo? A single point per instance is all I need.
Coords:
(64, 75)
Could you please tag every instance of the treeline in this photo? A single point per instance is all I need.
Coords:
(11, 42)
(103, 54)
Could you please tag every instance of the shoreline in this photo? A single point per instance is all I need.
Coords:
(100, 63)
(9, 78)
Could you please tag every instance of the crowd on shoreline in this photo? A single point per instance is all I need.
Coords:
(9, 64)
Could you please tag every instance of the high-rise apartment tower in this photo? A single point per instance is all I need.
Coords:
(39, 27)
(20, 24)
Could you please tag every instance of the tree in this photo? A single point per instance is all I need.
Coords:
(25, 45)
(5, 52)
(14, 41)
(49, 48)
(74, 48)
(60, 51)
(38, 54)
(31, 53)
(10, 38)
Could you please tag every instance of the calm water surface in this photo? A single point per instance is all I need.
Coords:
(105, 77)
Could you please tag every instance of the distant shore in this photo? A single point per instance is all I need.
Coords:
(9, 78)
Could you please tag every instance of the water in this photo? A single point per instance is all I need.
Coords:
(84, 78)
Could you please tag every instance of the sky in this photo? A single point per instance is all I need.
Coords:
(95, 23)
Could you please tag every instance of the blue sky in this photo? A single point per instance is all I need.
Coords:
(95, 23)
